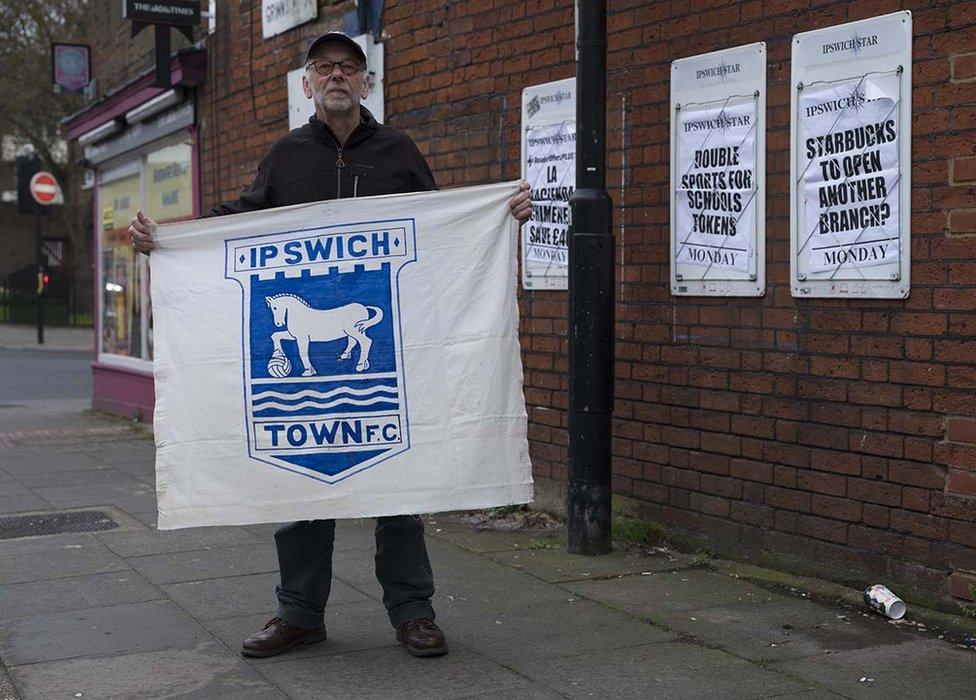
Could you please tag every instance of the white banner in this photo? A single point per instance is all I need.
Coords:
(550, 152)
(348, 358)
(849, 169)
(716, 184)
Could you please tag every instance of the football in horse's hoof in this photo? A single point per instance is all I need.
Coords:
(279, 366)
(308, 373)
(362, 366)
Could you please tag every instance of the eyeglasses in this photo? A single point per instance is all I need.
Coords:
(323, 68)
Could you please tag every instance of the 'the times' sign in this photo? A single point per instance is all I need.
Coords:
(172, 12)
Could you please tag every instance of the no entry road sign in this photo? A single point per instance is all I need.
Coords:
(44, 188)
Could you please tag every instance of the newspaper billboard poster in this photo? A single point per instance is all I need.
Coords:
(718, 163)
(549, 166)
(850, 163)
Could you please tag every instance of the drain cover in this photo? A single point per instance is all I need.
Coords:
(14, 526)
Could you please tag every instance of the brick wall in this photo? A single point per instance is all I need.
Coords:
(838, 432)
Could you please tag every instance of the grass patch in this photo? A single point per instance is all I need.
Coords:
(702, 559)
(640, 531)
(969, 609)
(503, 511)
(543, 543)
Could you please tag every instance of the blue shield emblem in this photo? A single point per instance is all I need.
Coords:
(324, 390)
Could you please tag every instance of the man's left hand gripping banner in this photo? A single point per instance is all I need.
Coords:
(339, 359)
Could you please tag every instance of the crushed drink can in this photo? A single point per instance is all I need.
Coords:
(881, 600)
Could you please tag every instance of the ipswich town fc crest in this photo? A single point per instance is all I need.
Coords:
(324, 390)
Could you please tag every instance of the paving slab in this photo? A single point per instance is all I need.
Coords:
(668, 670)
(555, 565)
(350, 628)
(656, 594)
(478, 583)
(23, 503)
(137, 452)
(81, 477)
(47, 458)
(782, 630)
(242, 595)
(351, 535)
(117, 629)
(205, 671)
(125, 493)
(484, 540)
(922, 668)
(146, 542)
(74, 593)
(56, 556)
(392, 673)
(146, 517)
(11, 487)
(203, 564)
(522, 636)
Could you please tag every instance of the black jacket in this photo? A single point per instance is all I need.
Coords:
(307, 165)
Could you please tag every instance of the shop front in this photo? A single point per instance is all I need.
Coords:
(141, 143)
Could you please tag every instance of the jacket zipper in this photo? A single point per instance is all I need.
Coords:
(340, 164)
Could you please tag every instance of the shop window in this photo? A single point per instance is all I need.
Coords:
(159, 180)
(121, 289)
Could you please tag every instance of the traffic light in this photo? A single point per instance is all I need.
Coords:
(43, 282)
(26, 167)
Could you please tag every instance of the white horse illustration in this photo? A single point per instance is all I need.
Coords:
(303, 324)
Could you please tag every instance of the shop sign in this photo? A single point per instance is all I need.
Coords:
(177, 13)
(70, 67)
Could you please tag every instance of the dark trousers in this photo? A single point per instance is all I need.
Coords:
(402, 569)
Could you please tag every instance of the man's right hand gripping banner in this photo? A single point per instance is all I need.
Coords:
(347, 358)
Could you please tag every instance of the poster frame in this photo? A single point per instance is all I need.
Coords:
(535, 275)
(896, 29)
(703, 89)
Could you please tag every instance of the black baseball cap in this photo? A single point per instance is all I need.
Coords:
(338, 37)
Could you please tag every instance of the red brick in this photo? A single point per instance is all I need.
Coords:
(961, 584)
(964, 67)
(753, 471)
(961, 429)
(962, 221)
(838, 508)
(964, 169)
(961, 483)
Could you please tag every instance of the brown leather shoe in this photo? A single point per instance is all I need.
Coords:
(278, 636)
(422, 637)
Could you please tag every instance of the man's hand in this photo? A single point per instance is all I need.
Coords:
(520, 205)
(141, 232)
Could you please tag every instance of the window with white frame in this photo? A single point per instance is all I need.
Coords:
(159, 180)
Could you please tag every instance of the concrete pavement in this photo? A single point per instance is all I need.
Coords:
(132, 612)
(21, 336)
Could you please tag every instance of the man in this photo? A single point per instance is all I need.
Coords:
(341, 152)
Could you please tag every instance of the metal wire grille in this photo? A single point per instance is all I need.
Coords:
(15, 526)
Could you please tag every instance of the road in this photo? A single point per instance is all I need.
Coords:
(30, 375)
(43, 389)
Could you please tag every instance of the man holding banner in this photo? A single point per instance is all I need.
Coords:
(342, 152)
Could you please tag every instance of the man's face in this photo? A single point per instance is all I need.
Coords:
(335, 93)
